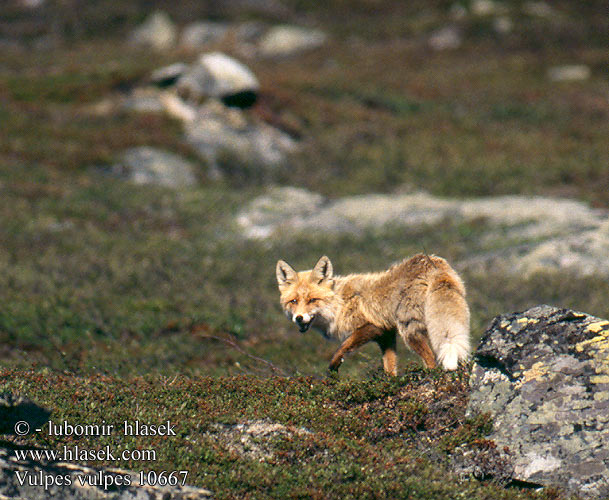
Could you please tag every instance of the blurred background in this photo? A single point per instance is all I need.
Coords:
(157, 158)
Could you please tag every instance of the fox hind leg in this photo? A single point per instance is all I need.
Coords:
(414, 334)
(387, 343)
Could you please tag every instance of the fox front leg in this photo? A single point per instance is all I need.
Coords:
(358, 338)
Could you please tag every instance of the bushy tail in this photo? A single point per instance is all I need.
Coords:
(447, 319)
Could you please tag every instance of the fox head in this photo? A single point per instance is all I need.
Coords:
(305, 295)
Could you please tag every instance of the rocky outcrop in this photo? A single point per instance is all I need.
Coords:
(211, 99)
(543, 375)
(526, 233)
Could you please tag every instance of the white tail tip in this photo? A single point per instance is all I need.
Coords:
(449, 355)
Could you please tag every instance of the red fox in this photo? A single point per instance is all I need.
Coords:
(421, 298)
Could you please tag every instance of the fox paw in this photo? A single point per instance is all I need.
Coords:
(335, 364)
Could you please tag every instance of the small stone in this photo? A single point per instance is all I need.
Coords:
(157, 31)
(143, 100)
(448, 38)
(146, 165)
(538, 9)
(483, 7)
(202, 33)
(282, 41)
(503, 25)
(569, 73)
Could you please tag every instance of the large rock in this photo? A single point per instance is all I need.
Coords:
(543, 375)
(146, 165)
(217, 75)
(526, 234)
(531, 217)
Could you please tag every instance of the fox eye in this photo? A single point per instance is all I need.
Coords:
(293, 301)
(312, 300)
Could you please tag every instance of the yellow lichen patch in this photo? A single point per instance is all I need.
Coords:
(597, 326)
(504, 324)
(601, 340)
(529, 321)
(536, 371)
(599, 379)
(601, 396)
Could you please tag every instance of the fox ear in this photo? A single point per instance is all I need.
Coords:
(285, 273)
(322, 270)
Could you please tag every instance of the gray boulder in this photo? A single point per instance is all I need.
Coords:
(543, 375)
(146, 165)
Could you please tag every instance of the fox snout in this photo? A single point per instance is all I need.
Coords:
(303, 321)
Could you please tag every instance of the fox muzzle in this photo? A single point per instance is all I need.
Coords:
(303, 321)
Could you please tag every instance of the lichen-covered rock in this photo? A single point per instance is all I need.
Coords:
(524, 234)
(543, 375)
